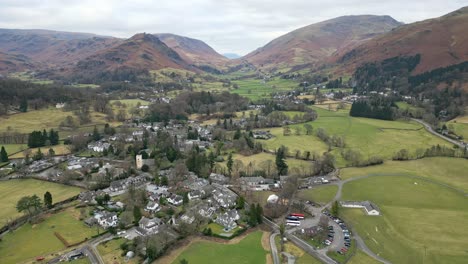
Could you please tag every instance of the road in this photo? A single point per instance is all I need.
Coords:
(430, 130)
(274, 250)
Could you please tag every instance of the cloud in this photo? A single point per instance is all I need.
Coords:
(238, 26)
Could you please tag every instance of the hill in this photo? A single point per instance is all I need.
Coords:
(193, 51)
(134, 56)
(440, 42)
(231, 56)
(14, 63)
(52, 48)
(319, 41)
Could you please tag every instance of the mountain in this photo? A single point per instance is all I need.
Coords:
(319, 41)
(53, 48)
(231, 56)
(15, 63)
(193, 51)
(440, 42)
(140, 53)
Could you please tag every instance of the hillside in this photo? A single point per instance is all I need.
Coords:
(53, 48)
(14, 63)
(193, 51)
(440, 42)
(138, 54)
(319, 41)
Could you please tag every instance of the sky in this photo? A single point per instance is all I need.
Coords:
(237, 26)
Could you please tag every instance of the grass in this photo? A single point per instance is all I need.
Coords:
(248, 250)
(421, 221)
(58, 149)
(260, 160)
(301, 256)
(13, 148)
(362, 258)
(362, 134)
(460, 126)
(111, 253)
(343, 258)
(256, 89)
(12, 190)
(319, 194)
(259, 197)
(450, 171)
(30, 241)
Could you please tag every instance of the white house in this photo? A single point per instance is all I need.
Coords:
(152, 207)
(369, 208)
(106, 219)
(149, 225)
(175, 200)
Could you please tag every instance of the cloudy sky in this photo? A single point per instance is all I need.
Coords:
(238, 26)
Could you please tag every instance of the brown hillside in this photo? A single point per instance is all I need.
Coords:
(14, 63)
(440, 42)
(319, 41)
(193, 51)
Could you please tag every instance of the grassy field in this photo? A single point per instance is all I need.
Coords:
(255, 89)
(13, 148)
(12, 190)
(362, 134)
(421, 222)
(30, 241)
(59, 150)
(319, 194)
(258, 161)
(362, 258)
(248, 250)
(460, 126)
(111, 253)
(450, 171)
(301, 256)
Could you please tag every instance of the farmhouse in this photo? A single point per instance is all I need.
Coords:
(370, 208)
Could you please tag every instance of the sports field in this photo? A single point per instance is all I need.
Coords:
(12, 190)
(30, 241)
(421, 222)
(249, 250)
(319, 194)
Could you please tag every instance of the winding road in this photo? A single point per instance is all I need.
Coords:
(430, 130)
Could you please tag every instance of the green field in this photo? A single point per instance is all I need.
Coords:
(58, 149)
(368, 136)
(362, 258)
(319, 194)
(259, 161)
(12, 190)
(255, 89)
(30, 241)
(13, 148)
(450, 171)
(249, 250)
(421, 222)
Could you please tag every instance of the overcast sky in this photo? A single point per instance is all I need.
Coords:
(237, 26)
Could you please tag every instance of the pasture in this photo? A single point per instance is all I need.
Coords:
(30, 241)
(13, 148)
(319, 194)
(246, 251)
(371, 137)
(111, 252)
(256, 89)
(262, 160)
(12, 190)
(421, 221)
(58, 149)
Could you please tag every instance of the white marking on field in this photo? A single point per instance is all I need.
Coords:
(415, 183)
(375, 241)
(376, 229)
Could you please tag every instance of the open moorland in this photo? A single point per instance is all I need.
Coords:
(32, 240)
(248, 250)
(12, 190)
(423, 217)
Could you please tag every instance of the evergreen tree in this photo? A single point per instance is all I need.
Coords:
(3, 155)
(48, 200)
(23, 105)
(229, 164)
(280, 161)
(96, 135)
(136, 214)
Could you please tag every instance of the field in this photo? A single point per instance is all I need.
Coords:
(362, 134)
(301, 256)
(12, 190)
(421, 222)
(258, 161)
(449, 171)
(362, 258)
(460, 126)
(255, 89)
(58, 149)
(30, 241)
(319, 194)
(248, 250)
(111, 253)
(13, 148)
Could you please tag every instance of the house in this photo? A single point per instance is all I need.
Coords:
(224, 197)
(195, 194)
(106, 219)
(218, 178)
(258, 184)
(228, 219)
(152, 207)
(98, 146)
(175, 200)
(206, 211)
(369, 208)
(149, 226)
(59, 105)
(259, 134)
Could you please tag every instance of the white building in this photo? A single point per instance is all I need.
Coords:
(369, 208)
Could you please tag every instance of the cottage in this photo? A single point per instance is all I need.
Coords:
(106, 219)
(152, 207)
(218, 178)
(148, 226)
(369, 208)
(228, 220)
(175, 200)
(224, 197)
(195, 194)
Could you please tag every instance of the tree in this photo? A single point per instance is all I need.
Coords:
(240, 202)
(308, 128)
(229, 164)
(184, 261)
(164, 181)
(280, 161)
(282, 230)
(136, 214)
(48, 200)
(145, 168)
(3, 155)
(23, 105)
(51, 152)
(38, 155)
(186, 198)
(335, 209)
(96, 135)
